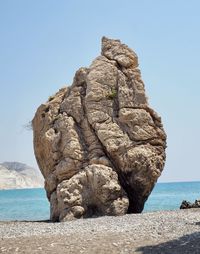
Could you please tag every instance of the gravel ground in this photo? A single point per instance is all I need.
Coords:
(158, 232)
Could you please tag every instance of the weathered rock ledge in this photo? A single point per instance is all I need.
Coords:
(99, 145)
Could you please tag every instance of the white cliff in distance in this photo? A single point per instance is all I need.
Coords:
(15, 175)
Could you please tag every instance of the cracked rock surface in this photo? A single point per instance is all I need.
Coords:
(98, 144)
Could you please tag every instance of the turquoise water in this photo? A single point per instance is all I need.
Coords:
(32, 204)
(24, 204)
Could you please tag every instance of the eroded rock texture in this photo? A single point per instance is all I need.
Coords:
(98, 144)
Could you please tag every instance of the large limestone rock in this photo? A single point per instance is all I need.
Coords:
(99, 145)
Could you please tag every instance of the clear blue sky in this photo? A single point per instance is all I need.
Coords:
(43, 43)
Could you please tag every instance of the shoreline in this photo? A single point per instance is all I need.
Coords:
(92, 218)
(42, 187)
(151, 232)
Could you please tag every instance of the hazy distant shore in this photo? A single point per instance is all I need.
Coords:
(22, 188)
(16, 175)
(155, 232)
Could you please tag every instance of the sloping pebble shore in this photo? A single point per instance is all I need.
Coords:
(157, 232)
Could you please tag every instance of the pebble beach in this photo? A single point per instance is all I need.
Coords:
(156, 232)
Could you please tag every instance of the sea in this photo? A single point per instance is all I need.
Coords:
(32, 204)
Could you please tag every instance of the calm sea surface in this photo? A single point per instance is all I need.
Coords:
(32, 204)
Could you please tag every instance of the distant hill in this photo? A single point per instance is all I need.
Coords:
(16, 175)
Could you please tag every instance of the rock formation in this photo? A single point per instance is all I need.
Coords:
(98, 144)
(186, 204)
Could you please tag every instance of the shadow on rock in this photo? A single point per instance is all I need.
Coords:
(184, 245)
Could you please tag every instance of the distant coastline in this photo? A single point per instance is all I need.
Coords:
(24, 188)
(16, 175)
